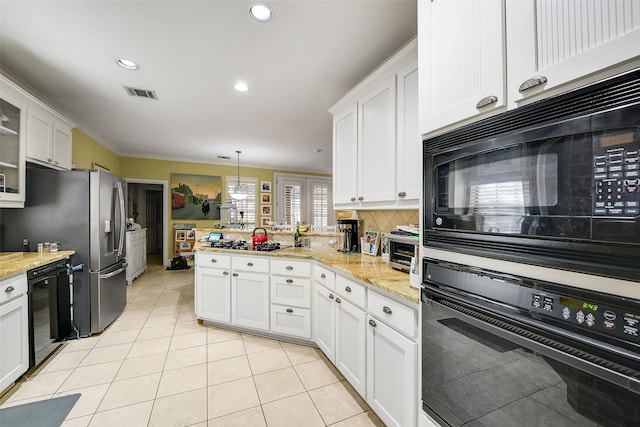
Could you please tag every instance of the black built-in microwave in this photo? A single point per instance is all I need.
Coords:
(553, 183)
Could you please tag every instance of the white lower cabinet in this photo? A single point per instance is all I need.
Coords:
(250, 300)
(340, 328)
(293, 321)
(14, 331)
(136, 244)
(391, 374)
(213, 287)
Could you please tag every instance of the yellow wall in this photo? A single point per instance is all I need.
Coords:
(87, 151)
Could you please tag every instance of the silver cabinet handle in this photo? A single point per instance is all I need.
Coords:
(50, 160)
(338, 300)
(360, 198)
(288, 267)
(330, 296)
(55, 162)
(225, 273)
(372, 323)
(487, 100)
(289, 310)
(532, 82)
(250, 264)
(402, 194)
(347, 289)
(353, 199)
(323, 276)
(9, 289)
(214, 260)
(386, 309)
(289, 281)
(235, 274)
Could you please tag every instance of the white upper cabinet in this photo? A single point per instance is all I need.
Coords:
(13, 128)
(461, 61)
(409, 142)
(479, 58)
(345, 142)
(553, 44)
(48, 139)
(375, 138)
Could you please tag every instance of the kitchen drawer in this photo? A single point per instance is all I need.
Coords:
(208, 259)
(291, 321)
(291, 291)
(394, 314)
(289, 267)
(245, 263)
(325, 277)
(13, 287)
(351, 291)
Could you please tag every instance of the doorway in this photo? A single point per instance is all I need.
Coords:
(147, 205)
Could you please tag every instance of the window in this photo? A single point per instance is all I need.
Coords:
(246, 206)
(304, 199)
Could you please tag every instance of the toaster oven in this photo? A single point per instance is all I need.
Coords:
(402, 250)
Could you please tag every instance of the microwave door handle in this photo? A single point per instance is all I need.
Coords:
(121, 219)
(540, 175)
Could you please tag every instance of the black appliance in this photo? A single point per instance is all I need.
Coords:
(49, 309)
(554, 183)
(503, 350)
(350, 237)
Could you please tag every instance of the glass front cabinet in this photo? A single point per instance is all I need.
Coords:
(12, 146)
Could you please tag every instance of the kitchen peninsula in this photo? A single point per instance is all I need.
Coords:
(360, 312)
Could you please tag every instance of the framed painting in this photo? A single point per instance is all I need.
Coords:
(265, 186)
(266, 198)
(195, 196)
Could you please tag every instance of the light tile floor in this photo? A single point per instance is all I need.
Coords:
(156, 366)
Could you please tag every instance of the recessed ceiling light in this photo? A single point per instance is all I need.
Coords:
(261, 13)
(241, 87)
(127, 64)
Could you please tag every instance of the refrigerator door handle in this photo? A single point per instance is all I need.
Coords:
(113, 273)
(122, 228)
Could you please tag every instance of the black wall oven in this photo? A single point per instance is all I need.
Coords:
(504, 350)
(554, 183)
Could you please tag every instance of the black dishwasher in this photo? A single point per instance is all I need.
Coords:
(49, 309)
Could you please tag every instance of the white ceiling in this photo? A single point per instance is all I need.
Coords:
(191, 53)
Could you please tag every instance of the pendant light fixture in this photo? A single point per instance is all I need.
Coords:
(239, 191)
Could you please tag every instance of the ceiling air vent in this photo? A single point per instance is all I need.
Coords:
(141, 93)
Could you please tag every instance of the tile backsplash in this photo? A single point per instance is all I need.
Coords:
(386, 220)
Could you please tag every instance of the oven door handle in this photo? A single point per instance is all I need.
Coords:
(607, 370)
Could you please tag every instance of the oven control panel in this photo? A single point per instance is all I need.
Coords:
(588, 314)
(616, 173)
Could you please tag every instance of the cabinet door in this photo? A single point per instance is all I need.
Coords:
(409, 161)
(12, 146)
(39, 134)
(345, 157)
(61, 150)
(392, 390)
(377, 144)
(461, 61)
(350, 343)
(213, 290)
(566, 41)
(324, 320)
(250, 300)
(292, 321)
(14, 341)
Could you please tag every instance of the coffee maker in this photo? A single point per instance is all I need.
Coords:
(350, 238)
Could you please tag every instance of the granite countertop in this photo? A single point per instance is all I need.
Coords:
(18, 262)
(369, 269)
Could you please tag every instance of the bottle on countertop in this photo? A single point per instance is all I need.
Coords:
(25, 245)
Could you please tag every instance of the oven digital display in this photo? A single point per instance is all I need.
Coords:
(614, 140)
(582, 305)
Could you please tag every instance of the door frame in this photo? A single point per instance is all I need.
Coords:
(165, 209)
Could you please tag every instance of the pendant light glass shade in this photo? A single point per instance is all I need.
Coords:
(239, 191)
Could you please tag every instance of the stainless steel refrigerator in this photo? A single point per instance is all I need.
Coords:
(83, 210)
